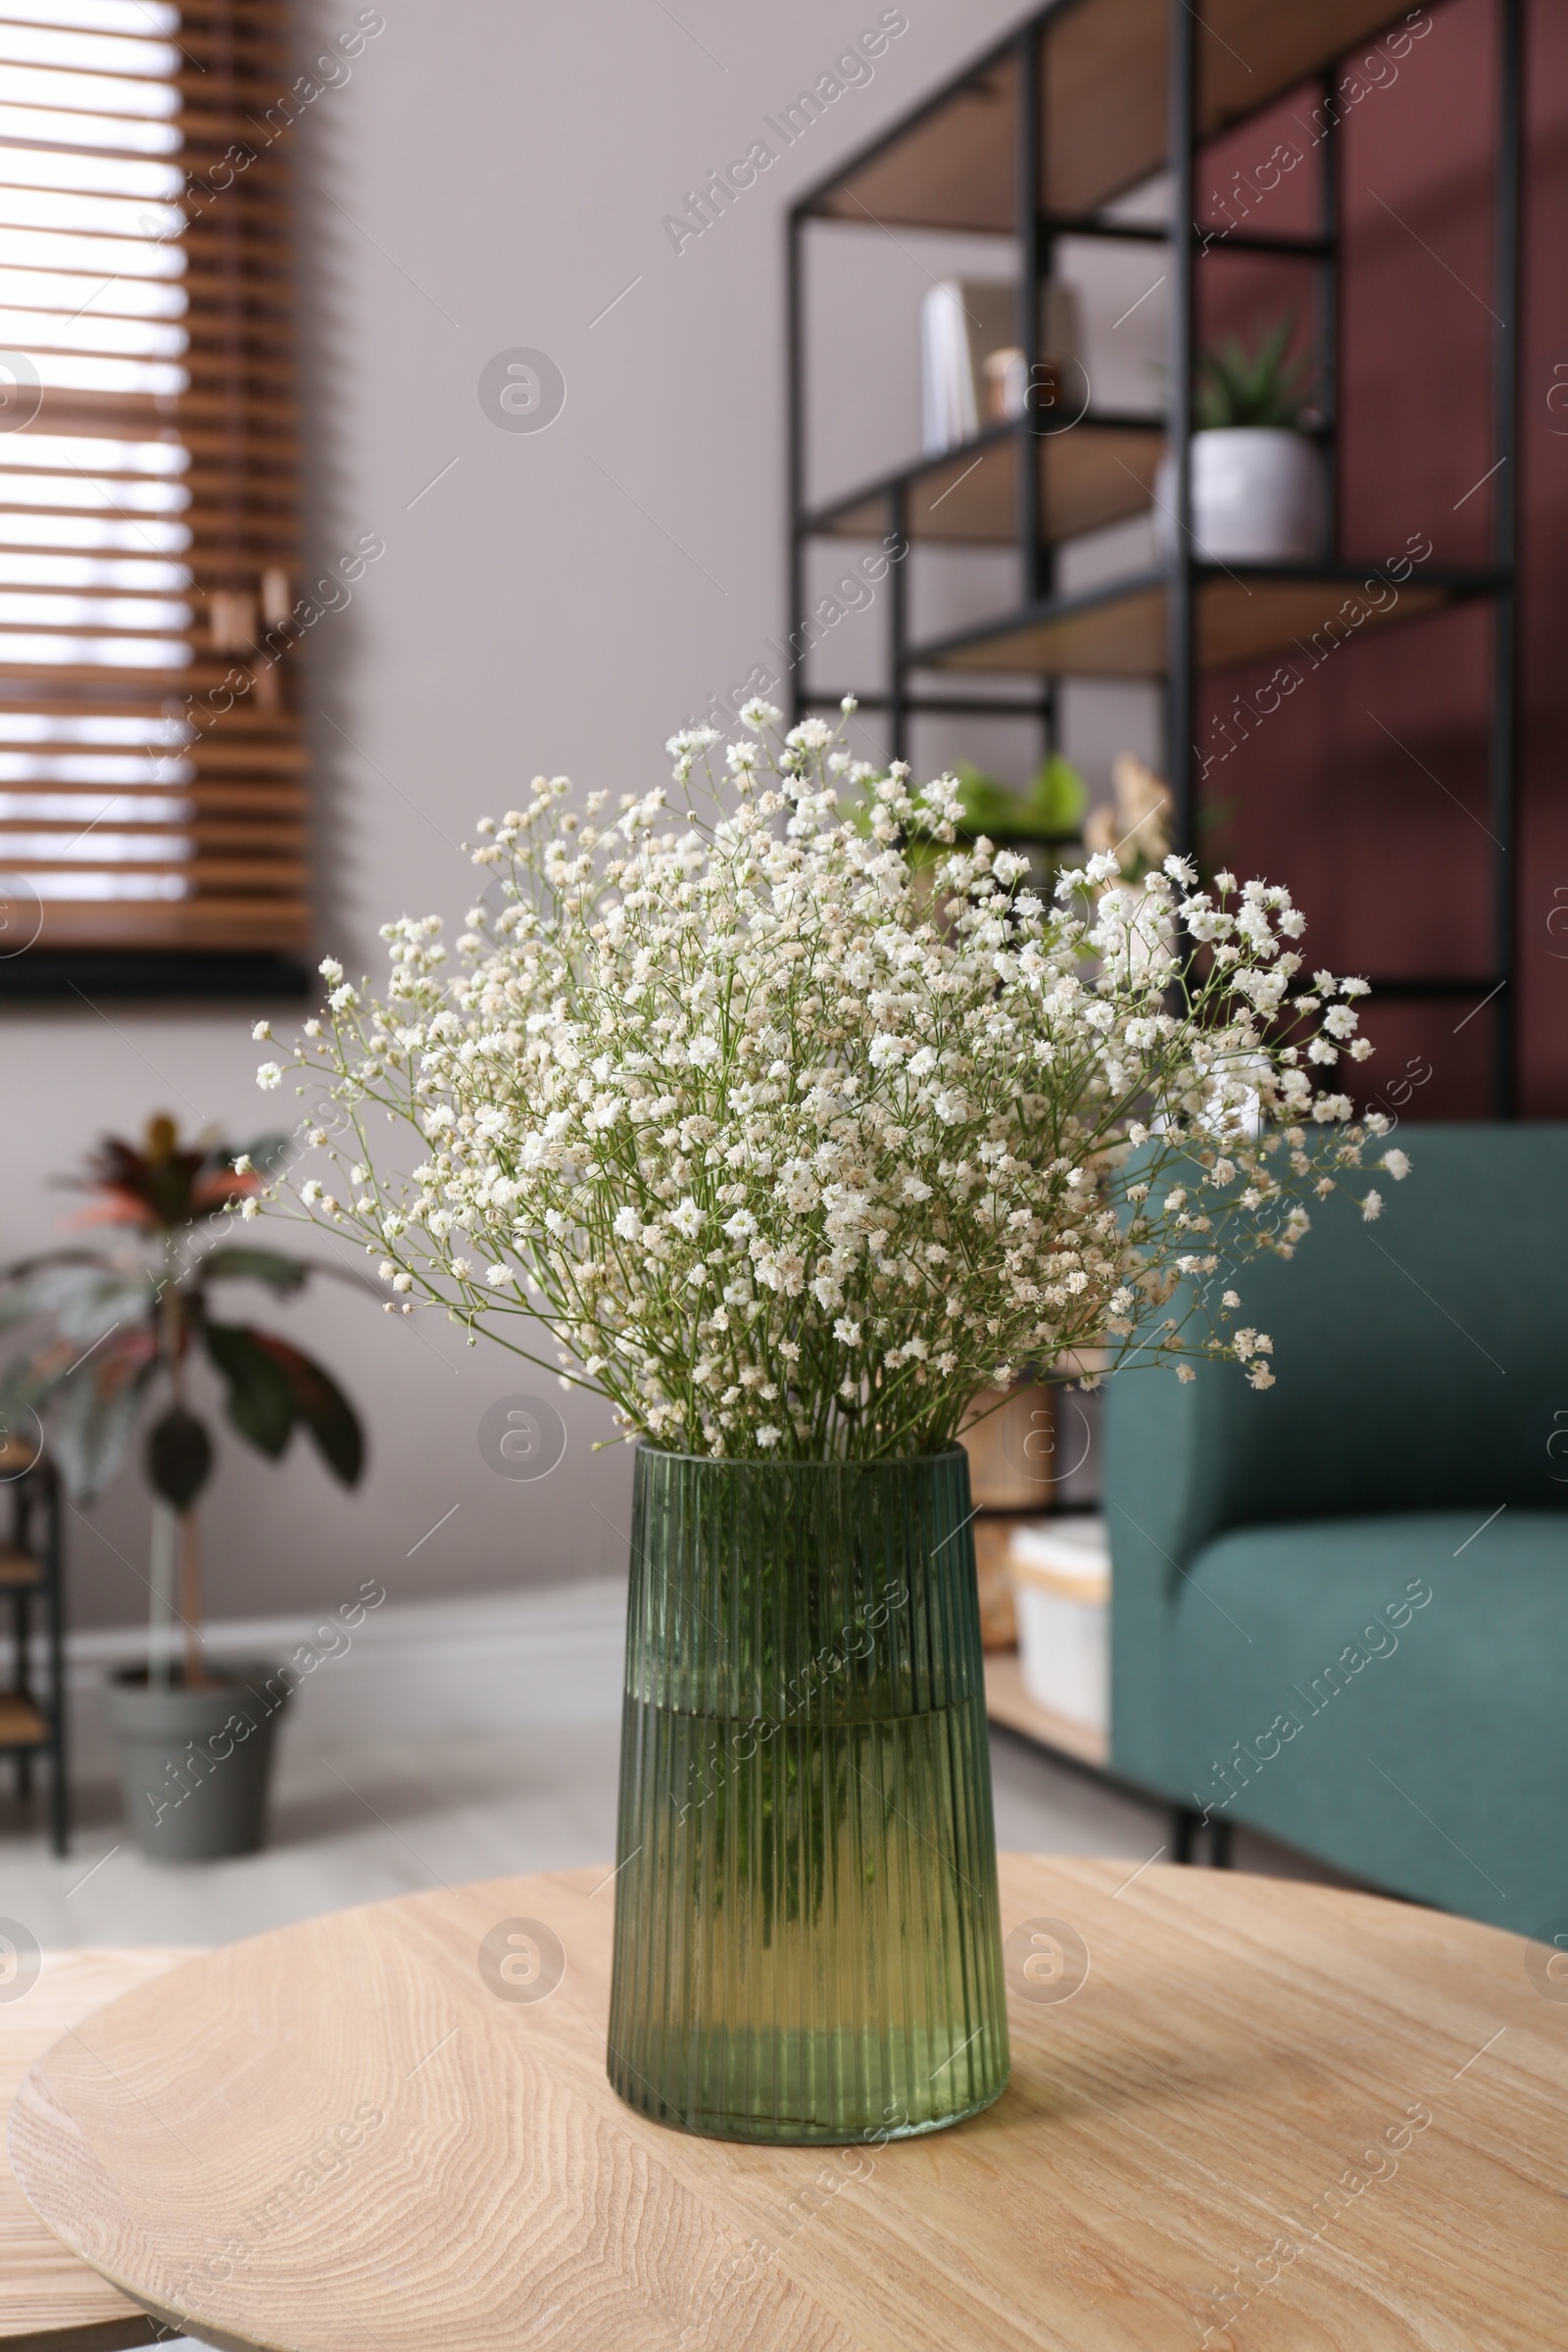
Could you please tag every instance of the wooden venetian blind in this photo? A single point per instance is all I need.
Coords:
(151, 788)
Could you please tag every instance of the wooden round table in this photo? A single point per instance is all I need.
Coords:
(1243, 2112)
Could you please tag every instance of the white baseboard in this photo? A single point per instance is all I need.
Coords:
(490, 1662)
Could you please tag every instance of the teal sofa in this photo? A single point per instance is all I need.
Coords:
(1340, 1606)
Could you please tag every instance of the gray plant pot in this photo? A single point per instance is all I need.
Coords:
(194, 1764)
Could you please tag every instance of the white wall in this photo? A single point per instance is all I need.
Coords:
(492, 176)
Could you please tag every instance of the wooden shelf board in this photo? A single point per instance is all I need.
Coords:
(952, 169)
(19, 1570)
(1089, 477)
(1122, 631)
(1106, 124)
(1008, 1702)
(1104, 115)
(20, 1722)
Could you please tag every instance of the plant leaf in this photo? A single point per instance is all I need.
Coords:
(1258, 387)
(1058, 797)
(260, 1402)
(18, 1301)
(30, 1382)
(322, 1407)
(93, 1419)
(180, 1457)
(85, 1301)
(280, 1273)
(266, 1155)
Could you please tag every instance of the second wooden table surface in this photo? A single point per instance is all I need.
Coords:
(1243, 2112)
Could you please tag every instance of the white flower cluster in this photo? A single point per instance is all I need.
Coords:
(794, 1140)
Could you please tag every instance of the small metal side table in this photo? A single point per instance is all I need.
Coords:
(32, 1721)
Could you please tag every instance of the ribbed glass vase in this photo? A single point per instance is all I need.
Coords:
(808, 1943)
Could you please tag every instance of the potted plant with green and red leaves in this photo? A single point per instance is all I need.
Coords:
(121, 1331)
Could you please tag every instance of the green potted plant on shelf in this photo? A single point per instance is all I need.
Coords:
(787, 1150)
(1258, 490)
(1042, 822)
(125, 1329)
(1045, 821)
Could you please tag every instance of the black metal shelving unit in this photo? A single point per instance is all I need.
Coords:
(1096, 107)
(1035, 139)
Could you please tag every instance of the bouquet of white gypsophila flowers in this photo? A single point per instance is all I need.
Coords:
(789, 1143)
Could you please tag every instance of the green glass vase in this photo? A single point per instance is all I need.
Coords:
(807, 1940)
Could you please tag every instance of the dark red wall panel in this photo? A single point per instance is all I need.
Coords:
(1367, 788)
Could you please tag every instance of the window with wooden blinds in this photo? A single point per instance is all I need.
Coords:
(151, 768)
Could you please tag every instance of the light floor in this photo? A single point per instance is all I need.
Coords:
(356, 1820)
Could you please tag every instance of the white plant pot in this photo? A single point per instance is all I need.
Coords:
(1258, 497)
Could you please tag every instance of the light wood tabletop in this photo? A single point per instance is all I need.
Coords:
(49, 2301)
(1244, 2113)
